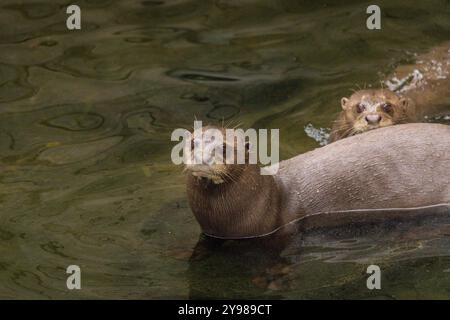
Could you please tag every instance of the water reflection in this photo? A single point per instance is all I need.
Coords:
(310, 261)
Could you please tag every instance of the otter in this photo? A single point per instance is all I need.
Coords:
(396, 168)
(414, 92)
(371, 109)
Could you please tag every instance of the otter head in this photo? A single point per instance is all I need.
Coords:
(373, 108)
(213, 158)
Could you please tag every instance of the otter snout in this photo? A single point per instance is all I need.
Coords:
(205, 157)
(373, 118)
(205, 152)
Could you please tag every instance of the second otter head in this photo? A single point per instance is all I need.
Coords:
(213, 157)
(373, 108)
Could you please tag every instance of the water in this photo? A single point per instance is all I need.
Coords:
(85, 121)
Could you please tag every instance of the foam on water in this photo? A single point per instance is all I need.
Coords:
(321, 135)
(430, 67)
(411, 81)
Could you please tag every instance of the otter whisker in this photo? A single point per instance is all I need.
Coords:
(236, 124)
(224, 174)
(239, 124)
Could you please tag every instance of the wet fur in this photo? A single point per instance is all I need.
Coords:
(427, 95)
(350, 122)
(403, 166)
(246, 204)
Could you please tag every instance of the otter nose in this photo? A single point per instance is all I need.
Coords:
(373, 118)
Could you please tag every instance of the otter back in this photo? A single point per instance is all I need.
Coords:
(400, 166)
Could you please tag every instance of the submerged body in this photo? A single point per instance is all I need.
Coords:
(402, 166)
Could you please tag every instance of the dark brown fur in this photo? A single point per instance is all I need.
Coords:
(247, 203)
(223, 197)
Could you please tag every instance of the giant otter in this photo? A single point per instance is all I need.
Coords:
(404, 166)
(370, 109)
(414, 92)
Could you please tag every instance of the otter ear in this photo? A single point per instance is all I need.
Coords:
(404, 102)
(344, 103)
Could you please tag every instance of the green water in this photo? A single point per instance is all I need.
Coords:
(85, 124)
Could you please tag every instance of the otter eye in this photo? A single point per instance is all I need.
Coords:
(360, 108)
(387, 107)
(224, 150)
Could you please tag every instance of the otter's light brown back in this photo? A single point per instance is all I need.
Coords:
(400, 166)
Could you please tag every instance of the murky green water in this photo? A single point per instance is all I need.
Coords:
(85, 123)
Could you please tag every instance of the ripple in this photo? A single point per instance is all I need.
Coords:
(31, 282)
(143, 121)
(13, 84)
(54, 247)
(138, 39)
(6, 235)
(48, 43)
(195, 97)
(151, 3)
(76, 121)
(36, 10)
(223, 112)
(80, 61)
(77, 152)
(7, 141)
(201, 76)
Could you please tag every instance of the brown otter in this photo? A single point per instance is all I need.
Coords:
(216, 189)
(403, 166)
(370, 109)
(415, 91)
